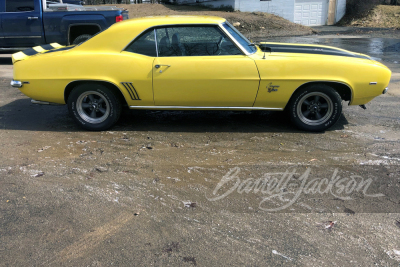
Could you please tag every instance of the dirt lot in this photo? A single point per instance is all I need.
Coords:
(261, 26)
(173, 188)
(382, 16)
(251, 24)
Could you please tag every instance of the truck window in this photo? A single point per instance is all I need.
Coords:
(20, 5)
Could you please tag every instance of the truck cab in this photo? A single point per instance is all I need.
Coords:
(21, 22)
(28, 23)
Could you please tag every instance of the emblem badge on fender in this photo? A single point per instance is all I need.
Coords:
(272, 88)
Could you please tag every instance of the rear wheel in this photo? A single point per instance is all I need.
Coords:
(94, 107)
(315, 108)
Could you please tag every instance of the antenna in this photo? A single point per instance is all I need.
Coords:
(264, 48)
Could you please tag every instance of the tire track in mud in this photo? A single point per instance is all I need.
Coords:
(91, 240)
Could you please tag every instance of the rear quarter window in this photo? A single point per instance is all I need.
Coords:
(144, 45)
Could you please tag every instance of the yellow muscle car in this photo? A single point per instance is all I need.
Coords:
(191, 63)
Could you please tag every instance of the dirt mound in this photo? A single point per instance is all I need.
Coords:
(252, 25)
(381, 16)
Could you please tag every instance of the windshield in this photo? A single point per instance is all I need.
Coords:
(246, 44)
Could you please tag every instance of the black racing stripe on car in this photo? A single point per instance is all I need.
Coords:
(59, 49)
(309, 50)
(30, 52)
(47, 47)
(299, 46)
(317, 52)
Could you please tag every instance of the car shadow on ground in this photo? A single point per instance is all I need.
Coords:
(21, 114)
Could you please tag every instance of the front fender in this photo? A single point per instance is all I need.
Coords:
(287, 72)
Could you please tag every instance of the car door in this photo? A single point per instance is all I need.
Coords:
(199, 66)
(21, 23)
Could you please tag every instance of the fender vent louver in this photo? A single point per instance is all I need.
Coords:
(131, 90)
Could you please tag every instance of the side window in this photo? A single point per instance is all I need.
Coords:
(20, 5)
(144, 45)
(194, 41)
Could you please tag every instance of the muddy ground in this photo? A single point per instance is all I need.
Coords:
(171, 188)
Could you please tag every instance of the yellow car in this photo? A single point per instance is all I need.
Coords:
(195, 63)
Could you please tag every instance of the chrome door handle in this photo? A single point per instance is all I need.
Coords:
(33, 18)
(159, 66)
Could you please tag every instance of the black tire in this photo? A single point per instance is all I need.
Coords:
(81, 39)
(94, 107)
(315, 108)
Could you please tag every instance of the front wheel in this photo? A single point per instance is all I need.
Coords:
(315, 108)
(94, 107)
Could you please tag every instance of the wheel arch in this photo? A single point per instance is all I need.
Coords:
(78, 29)
(343, 89)
(114, 88)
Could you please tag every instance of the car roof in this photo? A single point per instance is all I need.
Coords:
(122, 33)
(181, 19)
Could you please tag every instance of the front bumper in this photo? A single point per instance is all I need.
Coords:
(385, 90)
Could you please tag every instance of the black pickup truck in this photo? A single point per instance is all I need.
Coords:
(28, 23)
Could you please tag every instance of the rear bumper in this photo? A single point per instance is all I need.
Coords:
(16, 84)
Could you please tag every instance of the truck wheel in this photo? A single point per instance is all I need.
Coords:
(315, 108)
(94, 107)
(81, 39)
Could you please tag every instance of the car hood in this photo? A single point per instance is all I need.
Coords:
(42, 49)
(308, 49)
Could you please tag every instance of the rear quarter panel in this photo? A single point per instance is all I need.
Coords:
(48, 75)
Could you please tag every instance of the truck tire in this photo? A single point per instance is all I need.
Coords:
(81, 39)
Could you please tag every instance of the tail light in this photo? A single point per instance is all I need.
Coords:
(119, 18)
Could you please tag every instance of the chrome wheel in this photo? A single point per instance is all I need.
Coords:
(315, 108)
(93, 107)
